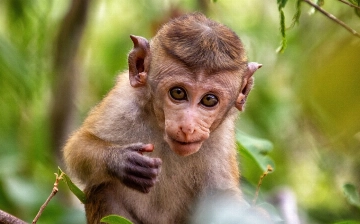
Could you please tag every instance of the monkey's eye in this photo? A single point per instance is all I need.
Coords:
(209, 100)
(178, 93)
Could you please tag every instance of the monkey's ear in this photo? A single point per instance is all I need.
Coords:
(248, 81)
(139, 61)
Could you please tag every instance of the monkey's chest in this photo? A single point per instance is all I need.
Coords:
(170, 201)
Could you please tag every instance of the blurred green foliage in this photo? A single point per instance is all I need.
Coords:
(306, 101)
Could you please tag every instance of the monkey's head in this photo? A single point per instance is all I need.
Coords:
(196, 71)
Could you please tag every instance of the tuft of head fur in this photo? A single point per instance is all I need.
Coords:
(201, 43)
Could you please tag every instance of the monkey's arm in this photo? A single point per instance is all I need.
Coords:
(84, 155)
(96, 161)
(95, 153)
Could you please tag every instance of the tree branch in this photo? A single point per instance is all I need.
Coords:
(6, 218)
(333, 18)
(349, 4)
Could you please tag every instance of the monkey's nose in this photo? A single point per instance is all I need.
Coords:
(187, 130)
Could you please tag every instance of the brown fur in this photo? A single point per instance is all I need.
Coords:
(101, 152)
(202, 43)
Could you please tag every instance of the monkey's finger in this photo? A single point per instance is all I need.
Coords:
(140, 147)
(147, 148)
(142, 172)
(144, 161)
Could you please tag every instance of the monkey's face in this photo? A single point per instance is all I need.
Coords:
(191, 105)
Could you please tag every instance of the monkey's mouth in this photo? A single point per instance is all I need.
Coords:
(184, 148)
(185, 143)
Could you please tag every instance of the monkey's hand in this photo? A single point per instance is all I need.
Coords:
(133, 169)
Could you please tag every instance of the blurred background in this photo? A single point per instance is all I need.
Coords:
(59, 58)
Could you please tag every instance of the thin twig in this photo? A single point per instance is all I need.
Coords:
(53, 192)
(268, 169)
(333, 18)
(349, 4)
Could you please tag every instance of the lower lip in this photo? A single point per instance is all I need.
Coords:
(185, 148)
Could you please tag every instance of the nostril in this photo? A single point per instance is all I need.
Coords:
(187, 130)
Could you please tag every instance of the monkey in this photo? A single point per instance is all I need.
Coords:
(164, 136)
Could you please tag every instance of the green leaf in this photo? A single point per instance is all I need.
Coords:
(282, 47)
(296, 17)
(281, 3)
(357, 12)
(73, 188)
(357, 3)
(115, 219)
(352, 194)
(320, 2)
(255, 149)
